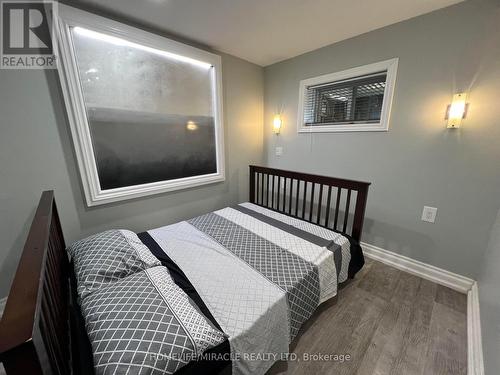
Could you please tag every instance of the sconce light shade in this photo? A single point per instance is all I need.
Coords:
(277, 124)
(457, 110)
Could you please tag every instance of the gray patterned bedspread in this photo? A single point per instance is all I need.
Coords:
(145, 324)
(262, 274)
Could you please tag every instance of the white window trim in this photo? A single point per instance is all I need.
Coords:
(391, 66)
(70, 17)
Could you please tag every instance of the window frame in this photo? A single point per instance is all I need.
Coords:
(69, 17)
(389, 66)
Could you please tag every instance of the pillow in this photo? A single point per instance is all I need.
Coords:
(145, 324)
(106, 257)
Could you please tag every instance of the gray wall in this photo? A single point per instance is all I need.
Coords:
(489, 300)
(36, 154)
(418, 162)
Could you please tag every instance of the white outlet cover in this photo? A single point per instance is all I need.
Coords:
(429, 214)
(279, 151)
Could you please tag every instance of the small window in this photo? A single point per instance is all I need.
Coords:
(357, 99)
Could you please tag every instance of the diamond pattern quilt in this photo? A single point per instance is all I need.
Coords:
(106, 257)
(261, 282)
(145, 324)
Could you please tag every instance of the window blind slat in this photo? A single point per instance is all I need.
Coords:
(347, 101)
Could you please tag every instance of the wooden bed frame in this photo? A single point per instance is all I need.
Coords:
(36, 335)
(35, 329)
(321, 200)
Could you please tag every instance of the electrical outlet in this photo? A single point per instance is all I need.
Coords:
(429, 214)
(279, 151)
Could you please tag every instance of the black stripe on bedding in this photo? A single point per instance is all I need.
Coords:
(318, 241)
(222, 351)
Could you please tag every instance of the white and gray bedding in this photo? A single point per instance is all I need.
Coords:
(107, 257)
(261, 274)
(252, 274)
(145, 324)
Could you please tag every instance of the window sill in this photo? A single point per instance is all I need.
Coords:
(98, 197)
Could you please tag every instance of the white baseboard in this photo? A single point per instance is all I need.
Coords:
(426, 271)
(475, 365)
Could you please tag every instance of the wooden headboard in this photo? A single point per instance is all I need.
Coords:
(35, 327)
(330, 202)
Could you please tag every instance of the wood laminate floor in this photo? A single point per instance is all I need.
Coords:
(388, 322)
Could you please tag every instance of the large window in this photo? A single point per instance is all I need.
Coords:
(353, 100)
(145, 111)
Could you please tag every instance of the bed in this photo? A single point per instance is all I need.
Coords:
(294, 240)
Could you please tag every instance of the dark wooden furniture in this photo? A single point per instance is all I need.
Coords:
(35, 326)
(321, 200)
(36, 330)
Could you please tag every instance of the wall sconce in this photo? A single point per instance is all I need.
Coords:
(457, 110)
(277, 122)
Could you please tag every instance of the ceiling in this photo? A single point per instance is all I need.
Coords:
(268, 31)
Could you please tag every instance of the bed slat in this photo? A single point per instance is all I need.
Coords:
(311, 209)
(337, 206)
(272, 191)
(297, 198)
(328, 207)
(304, 200)
(320, 200)
(346, 211)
